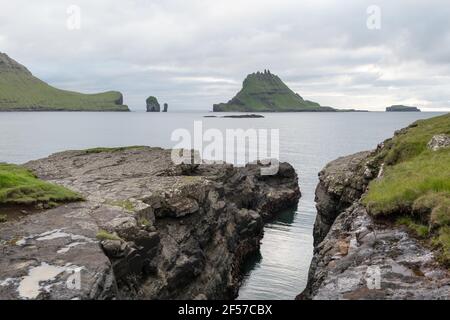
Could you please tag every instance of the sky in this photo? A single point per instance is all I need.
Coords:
(194, 53)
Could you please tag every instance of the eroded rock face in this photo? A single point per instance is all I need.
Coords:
(439, 141)
(148, 229)
(152, 104)
(341, 183)
(356, 257)
(360, 259)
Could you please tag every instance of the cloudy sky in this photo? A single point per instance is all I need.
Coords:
(193, 53)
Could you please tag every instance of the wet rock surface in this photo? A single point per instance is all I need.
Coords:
(357, 257)
(148, 229)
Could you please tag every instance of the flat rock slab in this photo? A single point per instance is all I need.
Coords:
(148, 229)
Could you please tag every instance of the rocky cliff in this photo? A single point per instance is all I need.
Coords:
(152, 104)
(21, 91)
(361, 253)
(148, 229)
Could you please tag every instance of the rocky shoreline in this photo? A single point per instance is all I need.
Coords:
(359, 257)
(147, 229)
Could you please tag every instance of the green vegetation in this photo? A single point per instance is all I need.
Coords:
(3, 218)
(152, 104)
(266, 92)
(19, 186)
(421, 230)
(144, 222)
(21, 91)
(105, 235)
(416, 183)
(114, 149)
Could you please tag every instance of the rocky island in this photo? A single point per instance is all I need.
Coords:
(21, 91)
(383, 222)
(266, 92)
(401, 108)
(147, 229)
(152, 104)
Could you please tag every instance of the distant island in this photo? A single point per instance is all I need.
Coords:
(401, 108)
(266, 92)
(21, 91)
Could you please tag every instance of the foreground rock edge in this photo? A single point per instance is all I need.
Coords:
(147, 230)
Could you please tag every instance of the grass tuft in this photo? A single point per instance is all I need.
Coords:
(19, 186)
(105, 235)
(419, 229)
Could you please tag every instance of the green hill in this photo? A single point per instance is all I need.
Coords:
(266, 92)
(21, 91)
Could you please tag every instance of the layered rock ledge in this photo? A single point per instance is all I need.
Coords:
(147, 230)
(359, 257)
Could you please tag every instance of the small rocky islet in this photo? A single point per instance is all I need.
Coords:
(154, 106)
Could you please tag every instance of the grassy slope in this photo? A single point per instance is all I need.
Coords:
(416, 183)
(19, 186)
(21, 91)
(265, 92)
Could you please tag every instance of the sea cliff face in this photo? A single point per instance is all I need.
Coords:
(148, 229)
(359, 255)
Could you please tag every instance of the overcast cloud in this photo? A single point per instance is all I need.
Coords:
(193, 53)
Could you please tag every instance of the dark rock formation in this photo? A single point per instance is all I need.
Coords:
(400, 108)
(239, 116)
(166, 107)
(148, 229)
(358, 257)
(244, 116)
(152, 104)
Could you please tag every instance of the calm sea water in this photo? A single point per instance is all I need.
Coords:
(307, 140)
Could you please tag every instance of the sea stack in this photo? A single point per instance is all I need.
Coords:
(152, 104)
(166, 107)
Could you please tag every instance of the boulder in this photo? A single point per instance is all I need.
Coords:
(439, 141)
